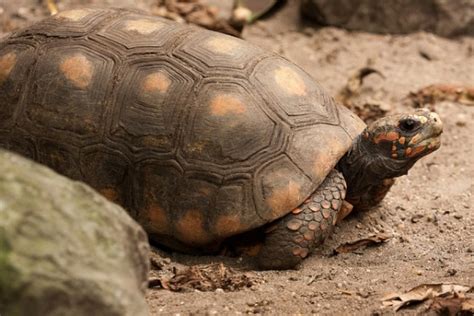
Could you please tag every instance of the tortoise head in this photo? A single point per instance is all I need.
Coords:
(405, 137)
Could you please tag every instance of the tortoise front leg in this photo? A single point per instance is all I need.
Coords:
(292, 238)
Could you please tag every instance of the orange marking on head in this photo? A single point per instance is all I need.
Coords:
(157, 81)
(415, 139)
(416, 150)
(223, 45)
(143, 26)
(228, 225)
(73, 15)
(226, 104)
(394, 148)
(408, 151)
(390, 136)
(191, 228)
(401, 140)
(290, 81)
(7, 62)
(282, 200)
(158, 220)
(78, 69)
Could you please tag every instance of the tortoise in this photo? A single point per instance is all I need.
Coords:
(200, 136)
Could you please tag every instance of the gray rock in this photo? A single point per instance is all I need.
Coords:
(64, 249)
(442, 17)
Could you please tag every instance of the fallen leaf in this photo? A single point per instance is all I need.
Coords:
(452, 305)
(423, 292)
(367, 108)
(365, 242)
(442, 92)
(205, 278)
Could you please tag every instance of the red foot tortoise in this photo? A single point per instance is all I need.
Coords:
(199, 135)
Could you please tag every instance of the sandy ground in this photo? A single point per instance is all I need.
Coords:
(428, 213)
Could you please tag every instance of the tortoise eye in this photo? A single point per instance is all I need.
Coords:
(408, 125)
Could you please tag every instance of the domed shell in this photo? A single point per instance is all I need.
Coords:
(199, 135)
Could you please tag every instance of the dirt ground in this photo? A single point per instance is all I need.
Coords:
(428, 214)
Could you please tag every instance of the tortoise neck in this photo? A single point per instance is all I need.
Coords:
(365, 167)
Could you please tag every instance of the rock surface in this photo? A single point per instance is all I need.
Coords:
(65, 250)
(442, 17)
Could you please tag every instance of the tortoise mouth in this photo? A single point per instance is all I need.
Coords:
(423, 147)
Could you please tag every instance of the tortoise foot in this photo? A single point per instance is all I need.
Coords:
(292, 238)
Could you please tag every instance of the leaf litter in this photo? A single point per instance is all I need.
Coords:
(205, 278)
(373, 240)
(444, 296)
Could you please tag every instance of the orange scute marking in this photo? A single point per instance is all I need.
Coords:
(390, 136)
(143, 26)
(222, 45)
(226, 104)
(228, 225)
(416, 150)
(7, 62)
(74, 15)
(191, 228)
(284, 199)
(290, 81)
(325, 161)
(78, 69)
(157, 219)
(402, 140)
(157, 81)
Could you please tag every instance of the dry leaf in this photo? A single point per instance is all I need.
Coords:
(205, 278)
(423, 292)
(452, 305)
(442, 92)
(365, 242)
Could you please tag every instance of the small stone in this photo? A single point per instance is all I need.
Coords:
(461, 120)
(416, 218)
(419, 272)
(219, 290)
(457, 216)
(451, 272)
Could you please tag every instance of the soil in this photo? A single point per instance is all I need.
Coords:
(428, 214)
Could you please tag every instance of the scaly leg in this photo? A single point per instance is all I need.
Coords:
(292, 238)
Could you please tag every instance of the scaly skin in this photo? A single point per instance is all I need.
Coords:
(292, 238)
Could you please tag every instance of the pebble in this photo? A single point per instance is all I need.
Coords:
(451, 272)
(461, 120)
(219, 290)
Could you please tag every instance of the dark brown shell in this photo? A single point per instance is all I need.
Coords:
(199, 135)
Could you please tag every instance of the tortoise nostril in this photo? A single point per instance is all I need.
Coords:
(435, 119)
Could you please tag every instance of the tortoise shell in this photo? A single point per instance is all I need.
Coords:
(199, 135)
